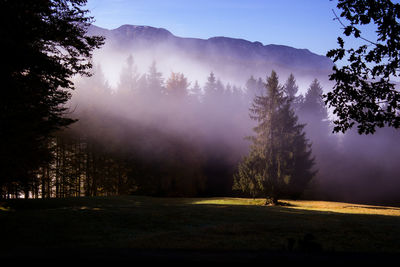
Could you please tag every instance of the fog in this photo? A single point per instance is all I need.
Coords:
(144, 103)
(112, 63)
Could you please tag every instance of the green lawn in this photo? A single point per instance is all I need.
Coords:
(212, 224)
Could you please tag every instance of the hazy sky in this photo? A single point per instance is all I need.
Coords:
(297, 23)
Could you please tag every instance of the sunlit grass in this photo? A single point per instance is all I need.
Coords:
(4, 208)
(325, 206)
(346, 208)
(230, 201)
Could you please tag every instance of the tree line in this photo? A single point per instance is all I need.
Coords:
(109, 151)
(156, 136)
(174, 137)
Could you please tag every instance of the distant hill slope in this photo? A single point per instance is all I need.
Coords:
(227, 57)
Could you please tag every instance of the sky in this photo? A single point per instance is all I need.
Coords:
(301, 24)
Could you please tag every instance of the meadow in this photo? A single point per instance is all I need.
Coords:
(155, 228)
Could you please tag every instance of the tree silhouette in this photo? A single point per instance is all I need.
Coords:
(313, 103)
(365, 93)
(46, 45)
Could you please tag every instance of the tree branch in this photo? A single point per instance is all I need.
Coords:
(344, 26)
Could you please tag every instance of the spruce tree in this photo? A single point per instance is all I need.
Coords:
(314, 114)
(291, 89)
(154, 81)
(195, 93)
(251, 88)
(210, 89)
(129, 77)
(313, 102)
(279, 163)
(196, 89)
(177, 85)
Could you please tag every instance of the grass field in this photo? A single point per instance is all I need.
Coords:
(197, 224)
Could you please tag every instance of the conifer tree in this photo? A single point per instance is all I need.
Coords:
(195, 94)
(46, 46)
(279, 162)
(313, 102)
(260, 85)
(251, 87)
(219, 89)
(314, 114)
(129, 77)
(213, 92)
(196, 89)
(291, 89)
(154, 81)
(177, 85)
(210, 86)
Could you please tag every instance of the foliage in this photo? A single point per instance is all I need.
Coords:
(313, 103)
(213, 90)
(291, 87)
(154, 81)
(45, 46)
(254, 87)
(291, 91)
(279, 162)
(177, 85)
(365, 93)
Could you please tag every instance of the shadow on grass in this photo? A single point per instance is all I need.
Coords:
(174, 256)
(145, 223)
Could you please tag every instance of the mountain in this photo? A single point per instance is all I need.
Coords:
(227, 57)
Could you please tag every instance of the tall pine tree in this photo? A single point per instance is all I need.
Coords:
(290, 90)
(46, 46)
(314, 114)
(155, 81)
(313, 102)
(279, 163)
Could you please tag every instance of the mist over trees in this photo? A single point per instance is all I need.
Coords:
(161, 134)
(179, 140)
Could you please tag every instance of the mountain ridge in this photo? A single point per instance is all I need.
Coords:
(124, 27)
(238, 57)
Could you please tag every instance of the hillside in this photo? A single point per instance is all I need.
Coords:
(232, 59)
